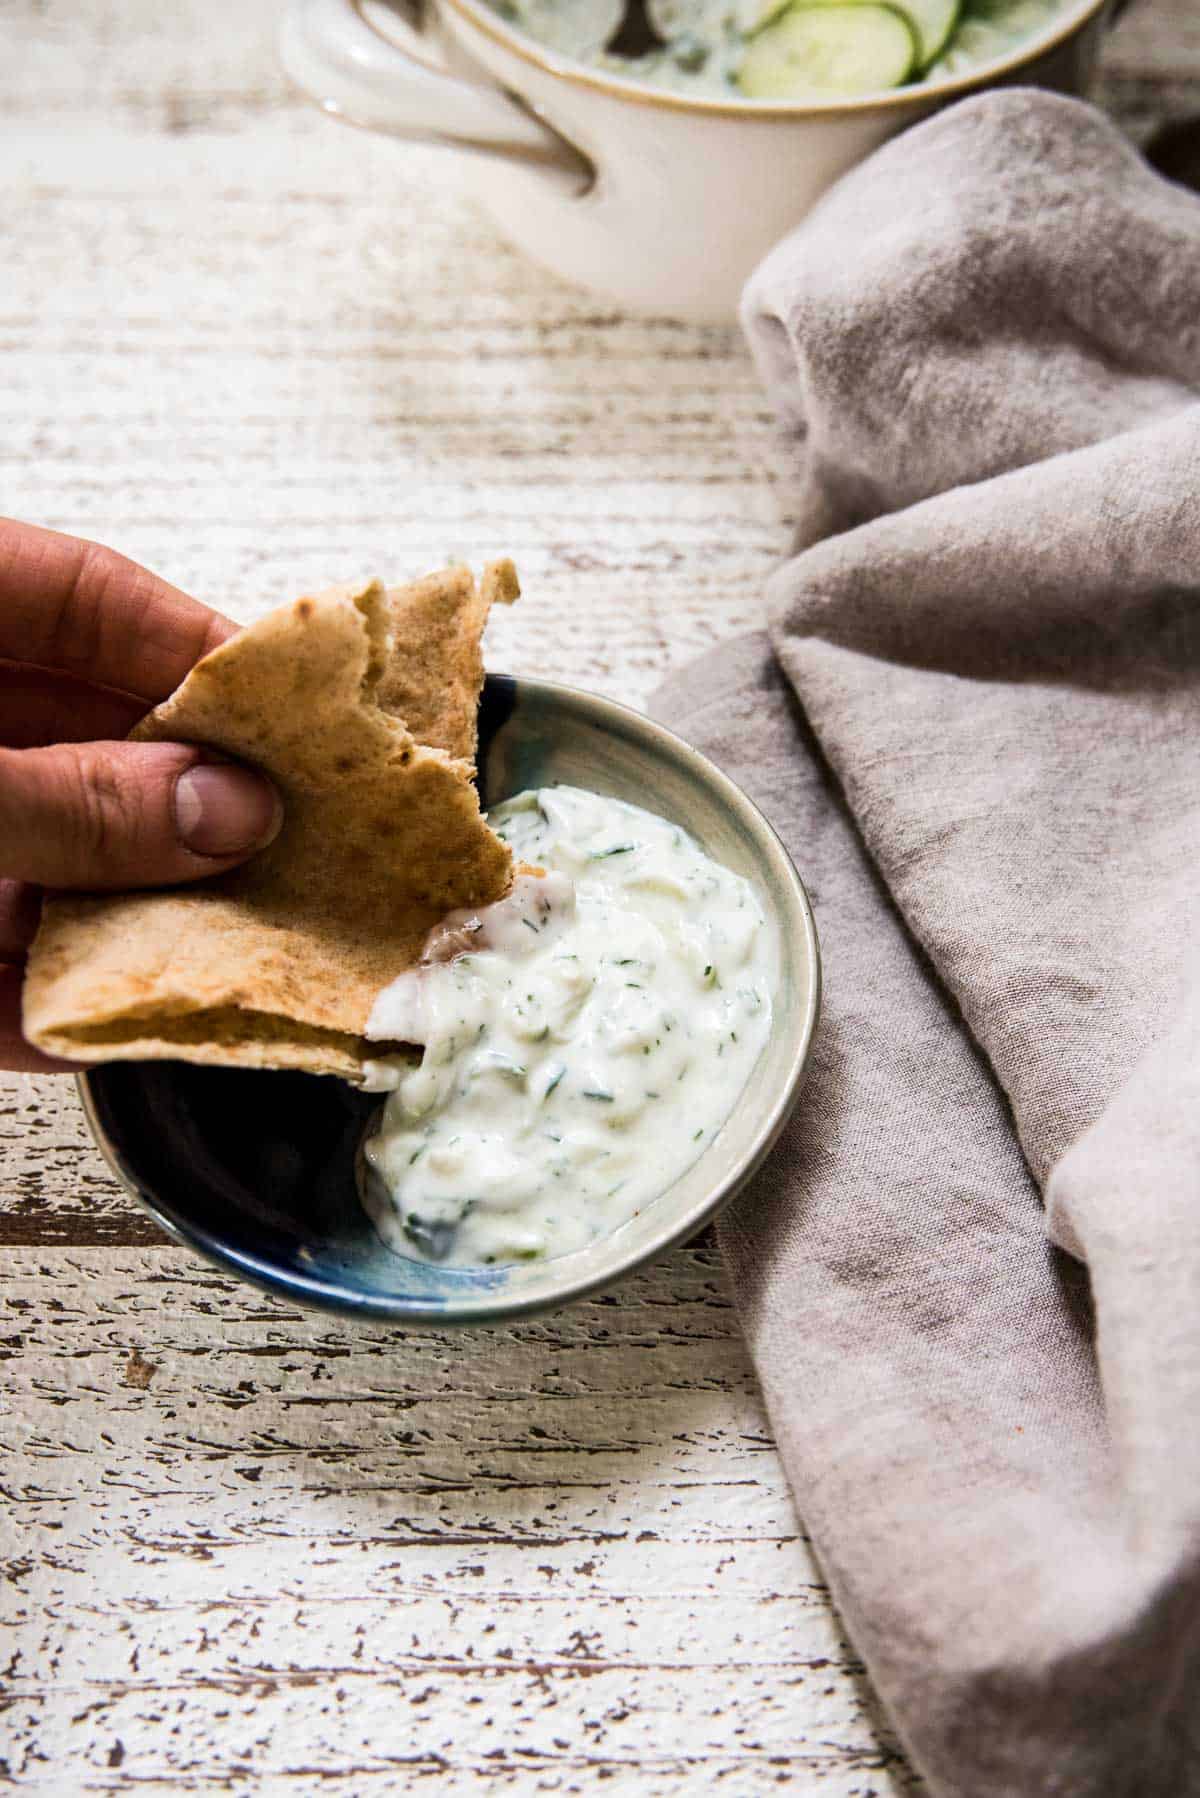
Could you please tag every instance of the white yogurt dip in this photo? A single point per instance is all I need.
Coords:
(584, 1039)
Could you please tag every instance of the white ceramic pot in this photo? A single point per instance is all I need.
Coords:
(660, 202)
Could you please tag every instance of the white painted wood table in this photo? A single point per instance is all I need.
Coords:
(244, 1548)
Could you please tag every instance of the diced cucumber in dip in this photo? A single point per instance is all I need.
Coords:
(816, 50)
(779, 49)
(583, 1040)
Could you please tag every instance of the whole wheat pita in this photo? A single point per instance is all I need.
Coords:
(277, 963)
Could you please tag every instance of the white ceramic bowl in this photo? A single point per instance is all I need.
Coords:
(660, 202)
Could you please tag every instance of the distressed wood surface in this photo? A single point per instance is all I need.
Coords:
(251, 1544)
(244, 1548)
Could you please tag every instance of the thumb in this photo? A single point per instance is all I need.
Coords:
(111, 815)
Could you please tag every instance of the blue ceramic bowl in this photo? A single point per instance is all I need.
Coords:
(258, 1171)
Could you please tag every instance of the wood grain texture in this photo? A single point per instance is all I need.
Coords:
(250, 1544)
(245, 1549)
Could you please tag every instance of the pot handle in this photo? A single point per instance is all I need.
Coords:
(335, 57)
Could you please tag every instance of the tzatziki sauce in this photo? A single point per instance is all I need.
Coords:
(733, 49)
(583, 1039)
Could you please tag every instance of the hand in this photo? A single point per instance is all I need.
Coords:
(88, 644)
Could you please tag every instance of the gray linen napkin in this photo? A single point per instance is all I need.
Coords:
(984, 347)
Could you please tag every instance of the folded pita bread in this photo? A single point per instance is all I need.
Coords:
(361, 705)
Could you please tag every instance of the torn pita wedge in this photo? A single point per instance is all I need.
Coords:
(278, 963)
(434, 673)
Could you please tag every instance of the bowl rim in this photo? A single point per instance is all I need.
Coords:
(497, 1308)
(924, 95)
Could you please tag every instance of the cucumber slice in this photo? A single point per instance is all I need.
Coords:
(933, 25)
(817, 50)
(932, 22)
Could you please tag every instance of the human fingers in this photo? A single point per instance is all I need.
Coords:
(77, 606)
(97, 816)
(20, 909)
(38, 706)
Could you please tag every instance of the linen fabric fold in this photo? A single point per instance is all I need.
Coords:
(977, 726)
